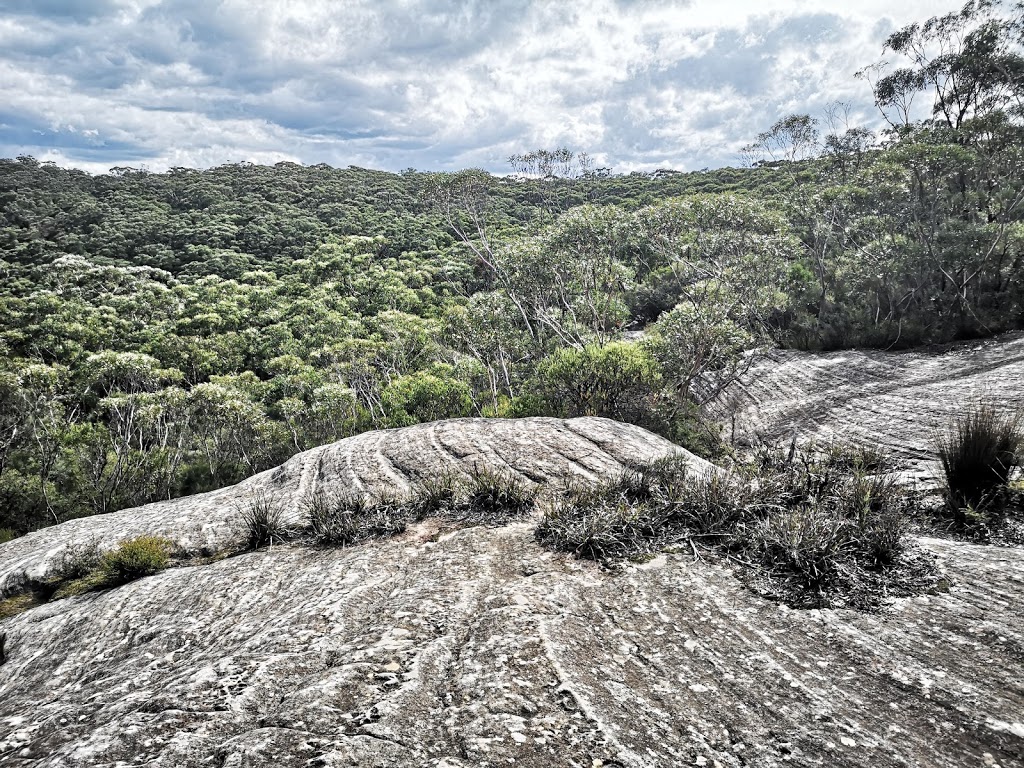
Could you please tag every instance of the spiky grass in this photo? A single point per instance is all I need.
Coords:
(263, 521)
(491, 497)
(820, 521)
(979, 452)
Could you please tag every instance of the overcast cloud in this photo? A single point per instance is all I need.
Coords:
(429, 84)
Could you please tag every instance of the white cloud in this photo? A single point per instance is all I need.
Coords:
(423, 83)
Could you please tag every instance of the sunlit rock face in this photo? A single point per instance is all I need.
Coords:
(476, 647)
(895, 401)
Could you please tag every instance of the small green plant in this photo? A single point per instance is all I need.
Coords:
(7, 534)
(979, 453)
(135, 558)
(263, 520)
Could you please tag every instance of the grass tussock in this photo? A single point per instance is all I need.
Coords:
(492, 497)
(979, 452)
(487, 497)
(263, 521)
(818, 521)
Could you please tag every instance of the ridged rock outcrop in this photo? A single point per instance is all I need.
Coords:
(896, 401)
(476, 647)
(539, 450)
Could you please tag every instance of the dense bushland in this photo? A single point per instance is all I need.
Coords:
(169, 333)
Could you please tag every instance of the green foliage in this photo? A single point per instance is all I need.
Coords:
(612, 380)
(422, 397)
(979, 452)
(170, 333)
(134, 559)
(694, 340)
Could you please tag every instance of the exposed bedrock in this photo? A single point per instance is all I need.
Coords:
(394, 460)
(476, 647)
(896, 401)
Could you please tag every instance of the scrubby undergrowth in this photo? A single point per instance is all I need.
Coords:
(816, 528)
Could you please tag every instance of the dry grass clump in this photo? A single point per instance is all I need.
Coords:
(491, 497)
(488, 497)
(816, 520)
(263, 521)
(343, 519)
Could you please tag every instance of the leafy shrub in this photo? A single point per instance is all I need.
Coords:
(422, 396)
(7, 534)
(613, 380)
(134, 559)
(979, 452)
(263, 520)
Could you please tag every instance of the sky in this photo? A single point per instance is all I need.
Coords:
(426, 84)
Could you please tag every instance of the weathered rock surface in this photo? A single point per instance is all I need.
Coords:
(476, 647)
(539, 450)
(893, 400)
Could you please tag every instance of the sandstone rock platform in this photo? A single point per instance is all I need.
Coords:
(477, 647)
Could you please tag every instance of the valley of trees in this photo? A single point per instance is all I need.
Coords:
(168, 333)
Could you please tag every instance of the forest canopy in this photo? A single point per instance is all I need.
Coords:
(169, 333)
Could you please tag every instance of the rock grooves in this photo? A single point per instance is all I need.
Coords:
(892, 400)
(478, 648)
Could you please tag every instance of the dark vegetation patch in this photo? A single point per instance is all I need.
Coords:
(814, 528)
(487, 497)
(981, 453)
(263, 521)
